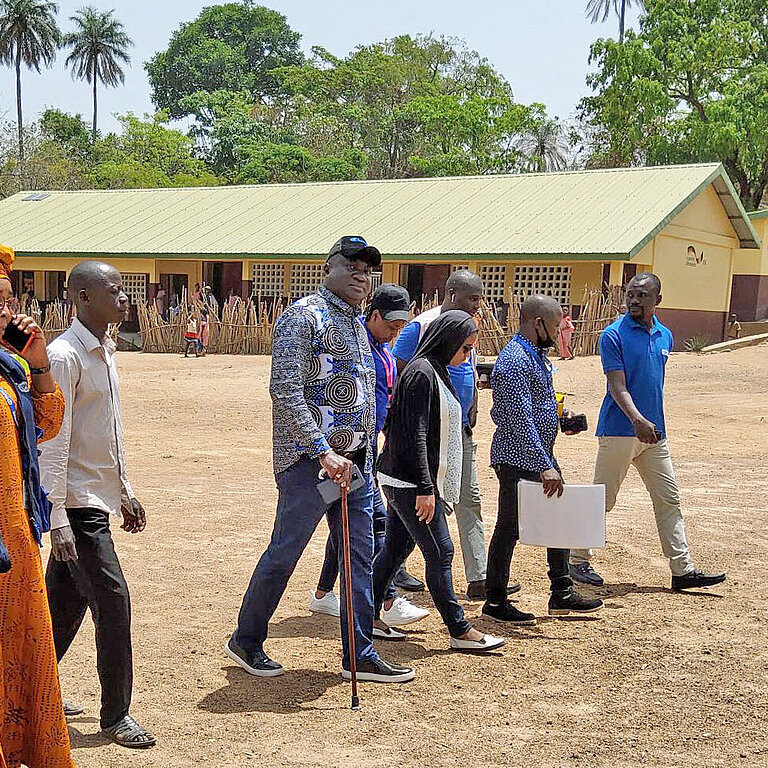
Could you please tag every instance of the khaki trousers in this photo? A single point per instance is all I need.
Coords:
(654, 464)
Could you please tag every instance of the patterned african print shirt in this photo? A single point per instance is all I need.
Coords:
(323, 383)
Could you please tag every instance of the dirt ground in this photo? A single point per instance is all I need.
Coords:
(660, 679)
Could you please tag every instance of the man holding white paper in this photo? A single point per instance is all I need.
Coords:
(634, 351)
(525, 413)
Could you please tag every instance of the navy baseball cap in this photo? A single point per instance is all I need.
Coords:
(355, 247)
(392, 301)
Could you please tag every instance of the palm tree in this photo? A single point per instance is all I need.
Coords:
(600, 10)
(99, 44)
(29, 35)
(543, 147)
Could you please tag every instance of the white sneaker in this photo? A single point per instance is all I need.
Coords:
(387, 634)
(403, 612)
(328, 604)
(485, 644)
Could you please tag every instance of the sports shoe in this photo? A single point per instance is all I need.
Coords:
(696, 578)
(507, 613)
(486, 644)
(255, 663)
(378, 671)
(71, 709)
(586, 574)
(328, 604)
(387, 634)
(572, 602)
(403, 612)
(404, 580)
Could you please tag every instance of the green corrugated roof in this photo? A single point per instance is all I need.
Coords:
(578, 214)
(757, 215)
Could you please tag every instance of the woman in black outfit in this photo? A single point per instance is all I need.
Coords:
(420, 472)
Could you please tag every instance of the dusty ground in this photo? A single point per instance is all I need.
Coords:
(660, 679)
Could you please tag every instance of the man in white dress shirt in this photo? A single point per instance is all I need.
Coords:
(84, 472)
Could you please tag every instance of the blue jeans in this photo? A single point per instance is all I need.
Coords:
(330, 571)
(404, 532)
(299, 509)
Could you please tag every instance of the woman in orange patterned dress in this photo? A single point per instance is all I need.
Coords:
(33, 730)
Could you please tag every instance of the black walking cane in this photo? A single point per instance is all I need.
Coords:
(348, 589)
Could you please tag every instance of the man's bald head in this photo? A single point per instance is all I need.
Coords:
(88, 274)
(97, 290)
(540, 306)
(464, 290)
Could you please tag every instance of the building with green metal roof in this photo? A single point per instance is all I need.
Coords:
(557, 233)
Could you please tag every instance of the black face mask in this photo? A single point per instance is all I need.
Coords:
(547, 342)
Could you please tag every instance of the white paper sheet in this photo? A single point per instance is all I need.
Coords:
(574, 521)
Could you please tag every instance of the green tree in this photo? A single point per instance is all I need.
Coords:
(231, 47)
(600, 10)
(29, 35)
(99, 46)
(148, 154)
(692, 86)
(67, 131)
(413, 106)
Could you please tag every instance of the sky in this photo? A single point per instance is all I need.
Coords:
(540, 46)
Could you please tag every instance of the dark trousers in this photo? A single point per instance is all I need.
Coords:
(95, 580)
(299, 509)
(404, 532)
(330, 571)
(506, 535)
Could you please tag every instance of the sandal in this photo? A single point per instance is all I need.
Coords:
(71, 709)
(128, 733)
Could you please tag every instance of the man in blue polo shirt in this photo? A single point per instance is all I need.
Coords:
(631, 430)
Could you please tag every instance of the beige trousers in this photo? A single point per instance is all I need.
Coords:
(654, 464)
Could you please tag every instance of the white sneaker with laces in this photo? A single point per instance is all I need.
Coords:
(328, 604)
(403, 612)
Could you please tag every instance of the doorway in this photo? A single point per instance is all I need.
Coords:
(425, 280)
(223, 276)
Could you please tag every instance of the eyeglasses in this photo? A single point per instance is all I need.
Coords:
(11, 304)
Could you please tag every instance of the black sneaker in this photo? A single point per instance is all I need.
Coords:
(507, 613)
(255, 663)
(404, 580)
(695, 579)
(378, 671)
(586, 574)
(572, 602)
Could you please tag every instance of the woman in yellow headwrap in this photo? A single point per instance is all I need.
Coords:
(33, 730)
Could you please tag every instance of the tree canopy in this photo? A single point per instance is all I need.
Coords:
(690, 86)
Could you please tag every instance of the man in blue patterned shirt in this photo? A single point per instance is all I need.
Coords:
(525, 413)
(323, 415)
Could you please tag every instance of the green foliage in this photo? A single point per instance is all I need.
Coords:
(692, 86)
(413, 106)
(697, 343)
(231, 47)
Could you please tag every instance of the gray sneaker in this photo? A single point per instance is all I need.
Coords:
(584, 573)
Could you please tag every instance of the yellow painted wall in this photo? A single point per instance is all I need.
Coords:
(585, 274)
(706, 286)
(753, 262)
(56, 264)
(705, 226)
(192, 269)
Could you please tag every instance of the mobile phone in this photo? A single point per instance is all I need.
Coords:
(574, 423)
(330, 490)
(17, 339)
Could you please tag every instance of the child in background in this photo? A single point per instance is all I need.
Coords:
(205, 333)
(191, 336)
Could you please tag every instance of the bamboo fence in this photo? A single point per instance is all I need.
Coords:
(246, 327)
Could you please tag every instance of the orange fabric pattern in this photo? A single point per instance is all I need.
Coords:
(33, 730)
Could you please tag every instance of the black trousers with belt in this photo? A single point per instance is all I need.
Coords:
(95, 580)
(506, 535)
